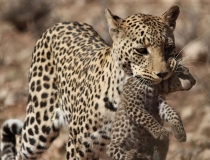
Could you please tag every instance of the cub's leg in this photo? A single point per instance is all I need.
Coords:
(141, 117)
(168, 114)
(133, 154)
(124, 144)
(161, 149)
(116, 149)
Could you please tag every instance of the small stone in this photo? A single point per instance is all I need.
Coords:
(3, 93)
(9, 100)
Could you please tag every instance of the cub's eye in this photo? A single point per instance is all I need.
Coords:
(141, 51)
(169, 48)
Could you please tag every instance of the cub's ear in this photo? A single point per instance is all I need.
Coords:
(113, 24)
(170, 17)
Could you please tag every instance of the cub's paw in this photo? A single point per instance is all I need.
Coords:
(179, 132)
(164, 134)
(160, 134)
(134, 155)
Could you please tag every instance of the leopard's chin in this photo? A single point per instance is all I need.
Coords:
(149, 81)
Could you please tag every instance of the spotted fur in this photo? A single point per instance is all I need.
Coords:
(137, 132)
(73, 71)
(10, 129)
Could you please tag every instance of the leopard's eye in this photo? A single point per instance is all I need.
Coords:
(142, 51)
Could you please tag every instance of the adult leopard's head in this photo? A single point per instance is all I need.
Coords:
(143, 43)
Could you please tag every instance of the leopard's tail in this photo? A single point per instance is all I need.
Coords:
(9, 130)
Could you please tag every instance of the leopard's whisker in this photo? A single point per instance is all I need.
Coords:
(183, 63)
(190, 43)
(138, 81)
(186, 64)
(199, 62)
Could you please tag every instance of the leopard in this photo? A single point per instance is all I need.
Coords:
(75, 80)
(10, 129)
(138, 132)
(182, 80)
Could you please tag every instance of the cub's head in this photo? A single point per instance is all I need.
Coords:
(143, 43)
(181, 80)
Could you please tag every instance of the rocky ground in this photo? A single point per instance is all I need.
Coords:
(21, 23)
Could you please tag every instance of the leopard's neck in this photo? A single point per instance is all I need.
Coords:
(112, 78)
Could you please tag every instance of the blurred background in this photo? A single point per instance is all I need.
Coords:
(23, 21)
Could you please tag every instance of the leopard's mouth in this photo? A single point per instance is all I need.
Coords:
(149, 80)
(150, 77)
(172, 65)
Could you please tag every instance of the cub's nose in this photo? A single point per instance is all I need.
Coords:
(162, 74)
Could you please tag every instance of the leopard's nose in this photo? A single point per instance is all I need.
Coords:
(162, 74)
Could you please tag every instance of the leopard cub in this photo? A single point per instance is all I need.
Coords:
(137, 132)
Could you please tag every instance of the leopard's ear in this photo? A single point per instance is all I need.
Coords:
(170, 16)
(113, 24)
